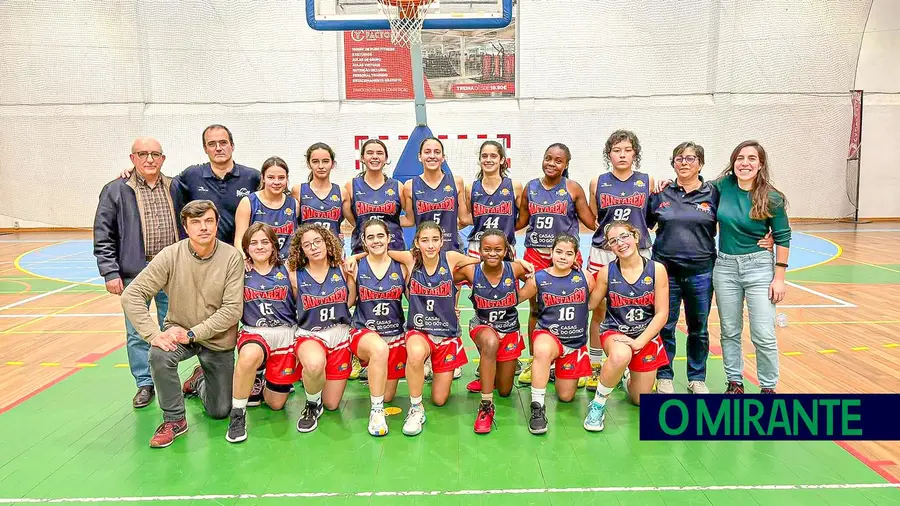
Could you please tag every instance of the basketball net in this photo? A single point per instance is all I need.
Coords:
(406, 18)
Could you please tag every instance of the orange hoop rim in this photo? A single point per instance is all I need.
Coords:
(407, 9)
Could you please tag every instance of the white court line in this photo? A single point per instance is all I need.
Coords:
(41, 296)
(435, 493)
(842, 303)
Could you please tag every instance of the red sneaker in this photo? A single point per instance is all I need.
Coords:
(485, 418)
(167, 432)
(735, 388)
(474, 386)
(188, 387)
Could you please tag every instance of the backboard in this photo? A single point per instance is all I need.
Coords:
(442, 15)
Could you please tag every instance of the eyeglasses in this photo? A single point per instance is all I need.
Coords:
(688, 159)
(316, 243)
(144, 154)
(620, 238)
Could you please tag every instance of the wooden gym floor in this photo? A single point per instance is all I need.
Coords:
(68, 432)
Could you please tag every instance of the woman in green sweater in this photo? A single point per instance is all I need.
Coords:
(750, 207)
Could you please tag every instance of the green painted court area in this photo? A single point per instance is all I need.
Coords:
(80, 441)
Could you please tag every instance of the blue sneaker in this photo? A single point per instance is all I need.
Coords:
(593, 422)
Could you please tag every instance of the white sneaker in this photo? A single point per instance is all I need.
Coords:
(625, 377)
(697, 387)
(665, 386)
(457, 373)
(377, 423)
(415, 418)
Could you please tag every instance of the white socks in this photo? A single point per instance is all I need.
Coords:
(316, 397)
(602, 393)
(239, 403)
(537, 395)
(377, 401)
(415, 400)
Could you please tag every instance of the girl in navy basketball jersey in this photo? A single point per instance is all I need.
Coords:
(435, 195)
(432, 323)
(636, 291)
(267, 335)
(620, 194)
(495, 326)
(272, 205)
(372, 194)
(493, 199)
(562, 291)
(321, 201)
(324, 296)
(378, 336)
(552, 205)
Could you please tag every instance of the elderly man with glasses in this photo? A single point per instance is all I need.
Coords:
(135, 220)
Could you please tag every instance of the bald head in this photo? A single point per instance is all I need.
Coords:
(147, 157)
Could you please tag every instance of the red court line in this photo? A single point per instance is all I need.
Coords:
(876, 465)
(90, 357)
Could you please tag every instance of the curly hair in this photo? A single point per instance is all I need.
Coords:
(416, 252)
(508, 256)
(297, 258)
(259, 226)
(621, 136)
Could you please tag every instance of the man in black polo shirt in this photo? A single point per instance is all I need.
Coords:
(220, 180)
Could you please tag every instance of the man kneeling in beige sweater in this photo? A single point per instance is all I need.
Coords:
(204, 278)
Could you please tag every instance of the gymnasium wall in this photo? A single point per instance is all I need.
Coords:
(79, 80)
(878, 74)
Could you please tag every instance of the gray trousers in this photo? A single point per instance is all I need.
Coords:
(214, 387)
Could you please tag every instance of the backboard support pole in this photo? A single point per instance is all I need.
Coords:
(418, 79)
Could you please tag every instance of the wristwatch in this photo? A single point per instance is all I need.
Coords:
(191, 336)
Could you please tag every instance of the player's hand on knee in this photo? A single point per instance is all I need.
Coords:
(165, 342)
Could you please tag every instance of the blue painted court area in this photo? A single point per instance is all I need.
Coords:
(74, 262)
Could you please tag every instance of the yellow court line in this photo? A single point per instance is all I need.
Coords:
(23, 270)
(35, 320)
(872, 265)
(840, 251)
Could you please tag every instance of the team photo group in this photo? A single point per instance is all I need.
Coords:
(242, 260)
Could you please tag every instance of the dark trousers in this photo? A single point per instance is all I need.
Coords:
(696, 291)
(214, 388)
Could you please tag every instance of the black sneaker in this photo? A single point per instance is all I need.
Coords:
(735, 388)
(256, 395)
(237, 427)
(538, 423)
(309, 417)
(767, 391)
(552, 375)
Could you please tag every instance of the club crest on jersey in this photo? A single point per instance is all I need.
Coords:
(366, 208)
(276, 293)
(504, 208)
(449, 358)
(367, 294)
(639, 183)
(448, 204)
(343, 367)
(389, 191)
(648, 358)
(448, 188)
(648, 280)
(619, 300)
(576, 278)
(704, 207)
(400, 366)
(561, 192)
(507, 282)
(576, 297)
(335, 277)
(289, 211)
(442, 271)
(335, 198)
(279, 276)
(504, 192)
(444, 289)
(510, 346)
(633, 200)
(568, 366)
(312, 301)
(395, 276)
(560, 207)
(509, 300)
(308, 213)
(287, 371)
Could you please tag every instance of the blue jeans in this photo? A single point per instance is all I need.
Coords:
(747, 277)
(138, 349)
(696, 291)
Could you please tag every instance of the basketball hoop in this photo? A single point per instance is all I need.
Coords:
(406, 18)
